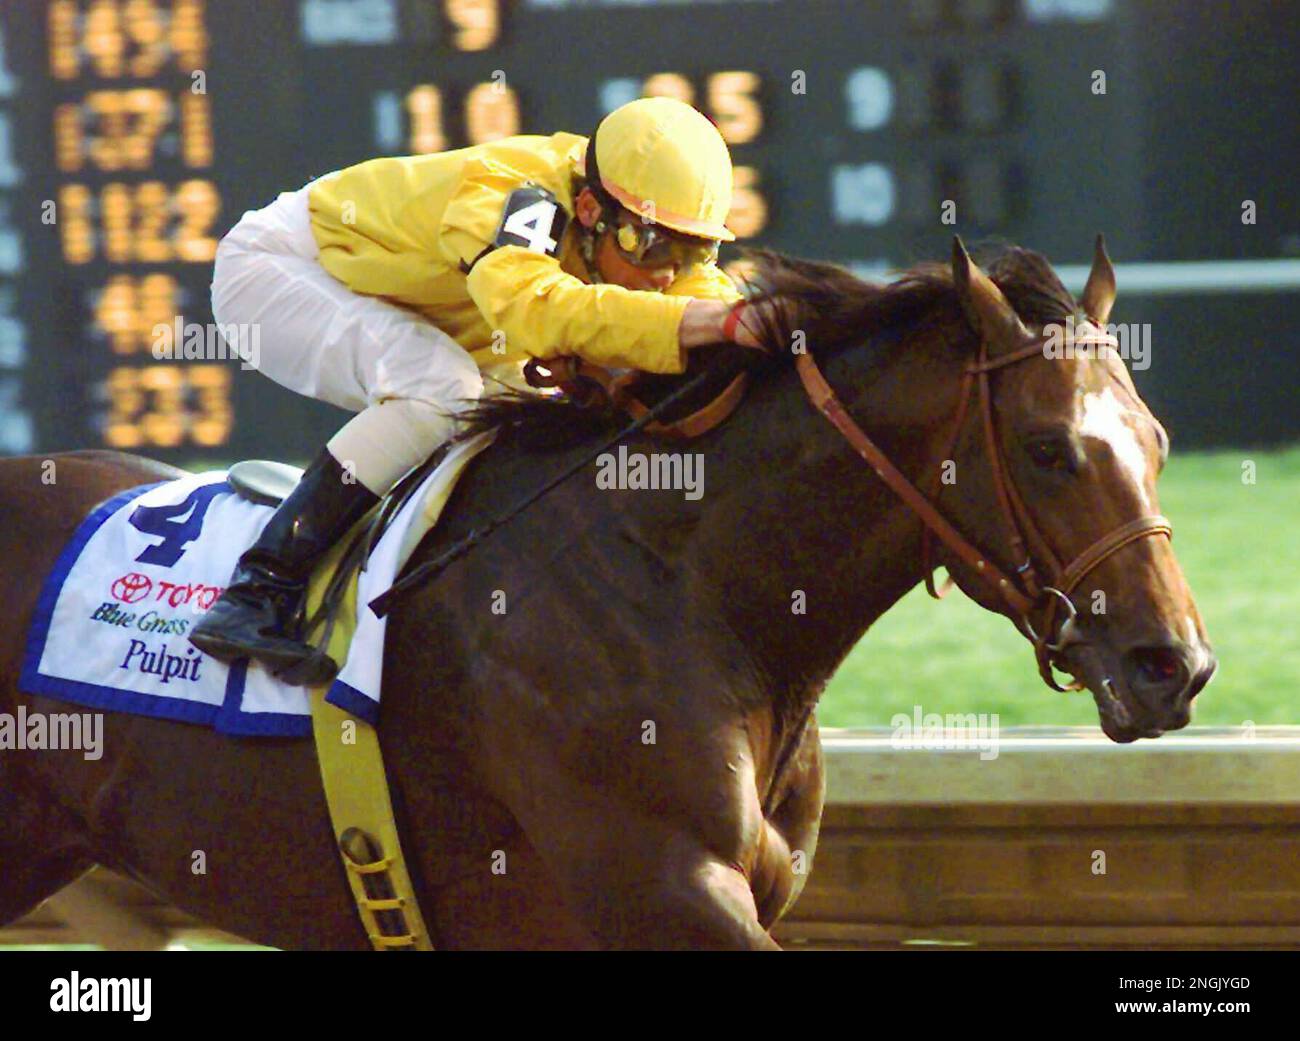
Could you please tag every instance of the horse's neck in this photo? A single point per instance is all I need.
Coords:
(806, 547)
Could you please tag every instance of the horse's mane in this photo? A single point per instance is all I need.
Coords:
(837, 310)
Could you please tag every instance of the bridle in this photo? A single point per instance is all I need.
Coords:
(1024, 594)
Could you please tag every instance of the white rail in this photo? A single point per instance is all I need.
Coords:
(1228, 765)
(1164, 278)
(1195, 276)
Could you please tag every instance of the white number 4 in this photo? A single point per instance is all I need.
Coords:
(533, 224)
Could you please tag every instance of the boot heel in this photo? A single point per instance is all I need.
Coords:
(314, 670)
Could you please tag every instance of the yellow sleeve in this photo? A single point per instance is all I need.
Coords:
(545, 312)
(705, 282)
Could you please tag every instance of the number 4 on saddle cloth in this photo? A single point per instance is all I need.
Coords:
(110, 628)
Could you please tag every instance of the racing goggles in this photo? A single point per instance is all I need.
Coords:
(654, 246)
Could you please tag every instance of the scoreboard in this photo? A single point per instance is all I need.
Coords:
(133, 134)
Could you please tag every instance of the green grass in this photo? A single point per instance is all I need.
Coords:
(1236, 543)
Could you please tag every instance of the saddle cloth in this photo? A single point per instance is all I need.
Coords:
(109, 630)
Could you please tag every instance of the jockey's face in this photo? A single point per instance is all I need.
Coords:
(615, 268)
(612, 266)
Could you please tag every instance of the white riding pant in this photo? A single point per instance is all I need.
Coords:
(404, 377)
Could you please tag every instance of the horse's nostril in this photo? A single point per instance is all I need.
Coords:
(1158, 669)
(1202, 677)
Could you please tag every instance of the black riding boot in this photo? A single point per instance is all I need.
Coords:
(258, 614)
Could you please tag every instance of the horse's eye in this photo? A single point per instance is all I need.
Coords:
(1050, 455)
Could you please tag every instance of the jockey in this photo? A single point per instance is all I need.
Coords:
(392, 288)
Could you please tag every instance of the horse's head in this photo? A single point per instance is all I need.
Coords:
(1033, 464)
(1062, 475)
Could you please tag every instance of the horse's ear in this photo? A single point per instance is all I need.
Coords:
(1099, 294)
(989, 312)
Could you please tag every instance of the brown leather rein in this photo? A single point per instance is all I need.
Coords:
(1024, 594)
(588, 384)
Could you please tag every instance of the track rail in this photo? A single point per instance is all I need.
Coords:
(1198, 834)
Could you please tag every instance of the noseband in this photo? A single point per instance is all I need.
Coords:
(1024, 595)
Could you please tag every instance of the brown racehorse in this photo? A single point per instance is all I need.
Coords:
(633, 740)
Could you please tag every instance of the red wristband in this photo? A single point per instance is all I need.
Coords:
(733, 319)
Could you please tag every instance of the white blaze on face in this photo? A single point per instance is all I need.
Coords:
(1194, 640)
(1106, 418)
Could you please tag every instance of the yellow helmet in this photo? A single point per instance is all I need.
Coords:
(663, 160)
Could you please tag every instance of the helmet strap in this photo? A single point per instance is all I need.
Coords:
(587, 247)
(608, 211)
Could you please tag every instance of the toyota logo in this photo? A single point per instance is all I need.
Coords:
(131, 588)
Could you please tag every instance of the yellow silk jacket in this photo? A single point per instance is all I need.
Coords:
(400, 228)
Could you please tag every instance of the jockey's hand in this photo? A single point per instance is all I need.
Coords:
(712, 321)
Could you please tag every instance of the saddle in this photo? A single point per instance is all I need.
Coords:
(264, 481)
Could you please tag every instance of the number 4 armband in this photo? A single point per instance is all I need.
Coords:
(534, 219)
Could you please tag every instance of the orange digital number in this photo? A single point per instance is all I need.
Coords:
(196, 131)
(149, 111)
(124, 129)
(152, 212)
(748, 215)
(65, 56)
(126, 37)
(424, 110)
(669, 85)
(491, 113)
(128, 124)
(165, 404)
(116, 216)
(147, 28)
(146, 223)
(213, 416)
(730, 99)
(76, 228)
(102, 38)
(164, 424)
(475, 24)
(115, 314)
(189, 35)
(734, 107)
(110, 118)
(146, 406)
(199, 205)
(129, 310)
(69, 141)
(125, 403)
(157, 303)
